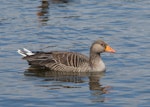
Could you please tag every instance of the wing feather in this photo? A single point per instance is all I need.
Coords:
(57, 60)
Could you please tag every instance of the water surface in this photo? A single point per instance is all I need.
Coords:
(72, 25)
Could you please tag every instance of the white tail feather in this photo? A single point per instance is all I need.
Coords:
(21, 53)
(28, 52)
(25, 52)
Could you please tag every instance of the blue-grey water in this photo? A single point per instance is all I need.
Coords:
(72, 25)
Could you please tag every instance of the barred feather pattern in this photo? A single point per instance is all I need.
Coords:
(60, 61)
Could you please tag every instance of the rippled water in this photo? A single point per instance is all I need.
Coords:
(73, 25)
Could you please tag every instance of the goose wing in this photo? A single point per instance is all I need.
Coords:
(55, 59)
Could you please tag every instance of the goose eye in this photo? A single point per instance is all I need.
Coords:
(102, 44)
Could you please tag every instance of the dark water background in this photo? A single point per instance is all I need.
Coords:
(72, 25)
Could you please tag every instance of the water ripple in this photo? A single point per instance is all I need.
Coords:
(72, 25)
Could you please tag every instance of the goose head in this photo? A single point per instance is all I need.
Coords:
(100, 46)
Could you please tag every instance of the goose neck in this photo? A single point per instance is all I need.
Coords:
(96, 62)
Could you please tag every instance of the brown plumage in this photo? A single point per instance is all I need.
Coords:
(69, 61)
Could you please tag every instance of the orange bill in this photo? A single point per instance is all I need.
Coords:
(109, 49)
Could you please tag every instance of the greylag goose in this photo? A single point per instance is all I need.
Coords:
(69, 61)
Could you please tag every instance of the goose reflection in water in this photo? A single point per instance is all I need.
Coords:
(43, 13)
(97, 90)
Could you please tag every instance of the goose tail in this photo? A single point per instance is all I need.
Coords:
(25, 52)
